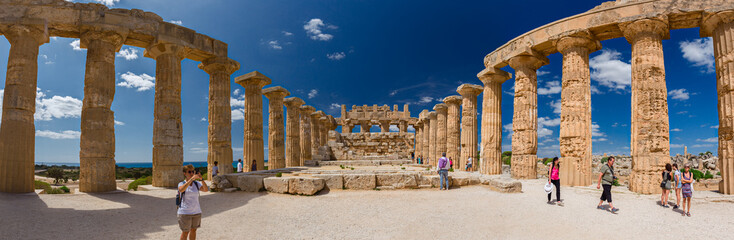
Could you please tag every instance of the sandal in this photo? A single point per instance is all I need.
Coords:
(615, 210)
(688, 214)
(600, 207)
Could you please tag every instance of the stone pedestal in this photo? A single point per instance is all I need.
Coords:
(315, 131)
(220, 114)
(453, 137)
(525, 117)
(306, 149)
(17, 129)
(167, 126)
(721, 27)
(441, 112)
(293, 132)
(650, 137)
(492, 120)
(97, 140)
(575, 135)
(276, 129)
(432, 145)
(253, 148)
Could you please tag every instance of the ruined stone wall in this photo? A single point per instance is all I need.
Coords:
(366, 146)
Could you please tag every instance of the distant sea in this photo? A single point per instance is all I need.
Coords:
(132, 164)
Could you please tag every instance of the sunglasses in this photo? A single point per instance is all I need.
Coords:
(190, 171)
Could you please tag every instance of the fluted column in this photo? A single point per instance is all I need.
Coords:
(720, 26)
(426, 148)
(219, 132)
(575, 135)
(432, 145)
(403, 126)
(167, 126)
(253, 148)
(325, 127)
(492, 80)
(469, 123)
(276, 129)
(293, 134)
(17, 129)
(453, 137)
(97, 140)
(364, 126)
(418, 139)
(384, 125)
(316, 131)
(306, 150)
(650, 145)
(525, 117)
(441, 112)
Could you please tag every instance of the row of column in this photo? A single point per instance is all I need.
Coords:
(367, 124)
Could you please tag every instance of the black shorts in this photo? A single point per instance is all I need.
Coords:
(606, 195)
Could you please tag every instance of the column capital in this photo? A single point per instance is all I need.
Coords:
(253, 78)
(318, 114)
(219, 64)
(656, 26)
(26, 28)
(712, 20)
(579, 39)
(440, 108)
(533, 61)
(293, 103)
(307, 109)
(432, 115)
(276, 92)
(157, 49)
(453, 99)
(493, 75)
(113, 35)
(469, 90)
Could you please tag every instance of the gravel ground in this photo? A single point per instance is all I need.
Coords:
(472, 212)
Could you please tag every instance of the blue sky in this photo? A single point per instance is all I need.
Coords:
(365, 52)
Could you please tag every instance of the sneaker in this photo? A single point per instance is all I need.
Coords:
(550, 202)
(615, 210)
(666, 206)
(675, 207)
(600, 207)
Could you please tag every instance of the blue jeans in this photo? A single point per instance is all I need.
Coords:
(444, 178)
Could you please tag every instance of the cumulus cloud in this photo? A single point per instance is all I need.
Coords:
(68, 134)
(46, 59)
(140, 82)
(552, 87)
(56, 107)
(715, 126)
(313, 93)
(336, 56)
(203, 119)
(236, 92)
(75, 45)
(314, 30)
(679, 94)
(335, 106)
(426, 100)
(595, 132)
(286, 33)
(394, 128)
(238, 114)
(275, 45)
(108, 3)
(411, 128)
(119, 123)
(128, 54)
(610, 71)
(711, 140)
(556, 105)
(700, 52)
(233, 102)
(177, 22)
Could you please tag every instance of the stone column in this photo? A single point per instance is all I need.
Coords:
(492, 79)
(384, 125)
(525, 117)
(720, 26)
(441, 112)
(220, 114)
(316, 131)
(403, 126)
(432, 146)
(346, 126)
(97, 140)
(418, 139)
(167, 126)
(469, 123)
(253, 148)
(293, 135)
(650, 145)
(325, 127)
(426, 148)
(306, 154)
(575, 135)
(17, 129)
(276, 129)
(365, 126)
(453, 137)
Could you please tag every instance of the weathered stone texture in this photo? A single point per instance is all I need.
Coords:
(492, 120)
(332, 181)
(276, 129)
(305, 186)
(453, 138)
(441, 112)
(306, 148)
(362, 146)
(293, 134)
(246, 182)
(316, 131)
(469, 126)
(525, 117)
(360, 181)
(397, 180)
(253, 148)
(432, 146)
(220, 113)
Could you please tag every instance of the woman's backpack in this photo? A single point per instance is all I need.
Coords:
(180, 195)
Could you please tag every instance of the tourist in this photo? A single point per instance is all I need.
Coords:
(606, 179)
(420, 159)
(189, 212)
(469, 167)
(451, 163)
(554, 178)
(666, 184)
(443, 172)
(215, 169)
(253, 166)
(687, 189)
(239, 165)
(678, 185)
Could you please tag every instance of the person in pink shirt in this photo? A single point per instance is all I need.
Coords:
(553, 177)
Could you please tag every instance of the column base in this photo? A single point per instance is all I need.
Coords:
(524, 166)
(167, 176)
(647, 181)
(97, 175)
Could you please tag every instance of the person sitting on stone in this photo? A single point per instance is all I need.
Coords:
(189, 211)
(253, 166)
(215, 169)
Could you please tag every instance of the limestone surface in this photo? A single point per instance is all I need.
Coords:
(360, 181)
(253, 148)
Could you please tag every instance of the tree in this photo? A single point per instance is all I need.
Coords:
(56, 173)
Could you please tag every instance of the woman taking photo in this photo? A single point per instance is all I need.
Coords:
(554, 178)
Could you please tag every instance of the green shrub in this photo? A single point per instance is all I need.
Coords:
(708, 152)
(65, 189)
(708, 175)
(718, 173)
(428, 168)
(42, 185)
(547, 160)
(266, 167)
(55, 191)
(56, 173)
(140, 181)
(507, 153)
(616, 183)
(506, 160)
(352, 168)
(697, 174)
(403, 168)
(604, 159)
(451, 169)
(279, 174)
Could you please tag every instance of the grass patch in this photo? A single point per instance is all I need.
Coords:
(42, 185)
(55, 191)
(403, 168)
(451, 169)
(65, 189)
(279, 174)
(140, 181)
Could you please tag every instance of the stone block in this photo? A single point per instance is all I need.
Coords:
(502, 184)
(425, 186)
(397, 180)
(459, 181)
(230, 189)
(305, 186)
(360, 181)
(385, 188)
(276, 184)
(332, 181)
(223, 183)
(248, 183)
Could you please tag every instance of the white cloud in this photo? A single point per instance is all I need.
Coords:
(75, 45)
(595, 131)
(56, 107)
(286, 33)
(426, 99)
(595, 90)
(236, 92)
(199, 150)
(711, 140)
(68, 134)
(700, 52)
(275, 45)
(703, 145)
(46, 59)
(394, 128)
(507, 127)
(676, 145)
(119, 123)
(233, 102)
(675, 130)
(238, 114)
(108, 3)
(128, 54)
(556, 105)
(411, 128)
(313, 29)
(313, 93)
(679, 94)
(552, 87)
(715, 126)
(602, 139)
(336, 56)
(177, 22)
(541, 73)
(203, 119)
(608, 69)
(335, 106)
(142, 82)
(542, 132)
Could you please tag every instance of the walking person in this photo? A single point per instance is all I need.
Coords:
(678, 185)
(666, 185)
(239, 165)
(554, 178)
(253, 166)
(189, 210)
(469, 166)
(443, 172)
(687, 180)
(215, 169)
(451, 163)
(606, 178)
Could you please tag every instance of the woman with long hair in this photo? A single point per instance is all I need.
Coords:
(666, 184)
(687, 180)
(553, 177)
